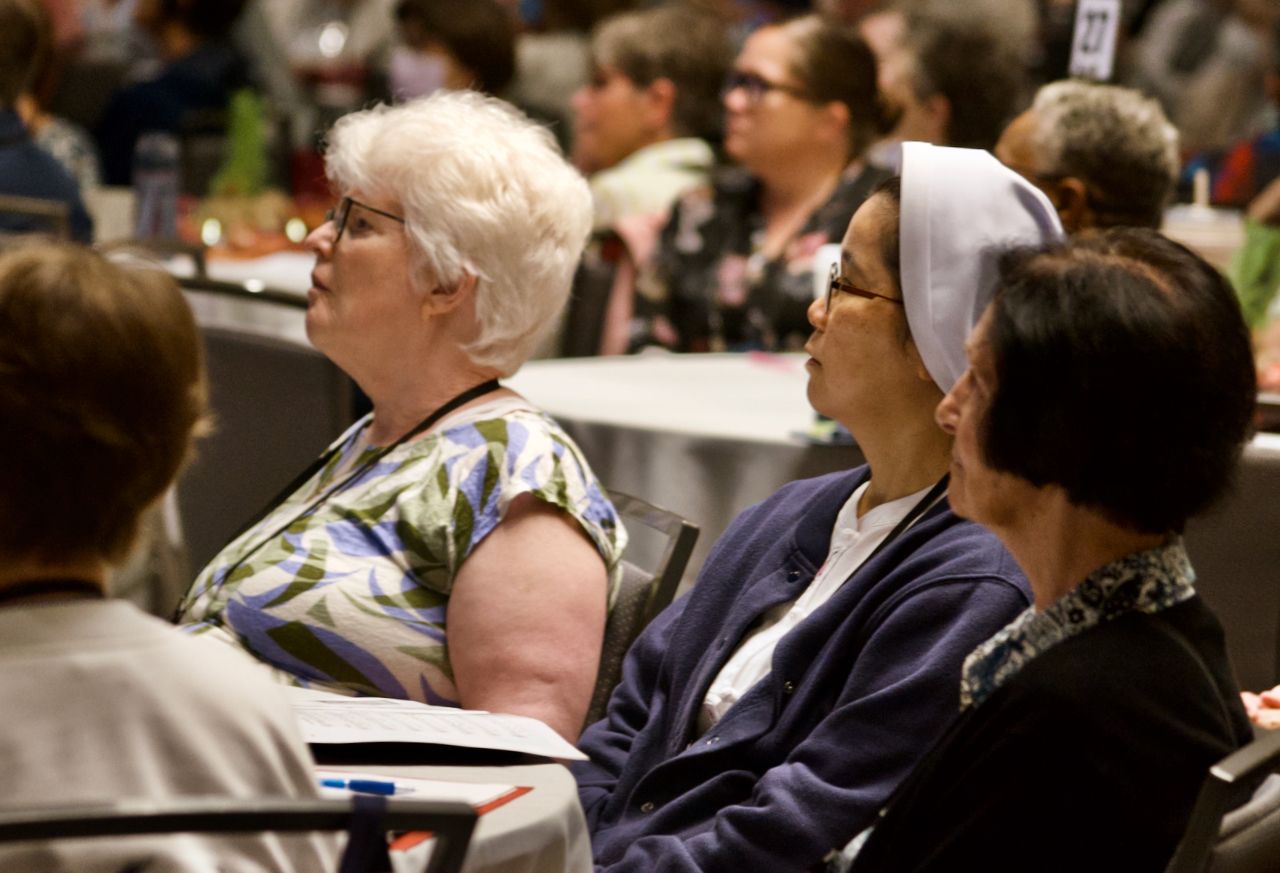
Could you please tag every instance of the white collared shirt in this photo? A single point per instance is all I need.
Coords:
(853, 540)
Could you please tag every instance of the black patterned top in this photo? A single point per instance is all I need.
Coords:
(710, 287)
(1147, 582)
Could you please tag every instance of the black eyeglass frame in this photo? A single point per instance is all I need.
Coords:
(339, 214)
(757, 86)
(836, 281)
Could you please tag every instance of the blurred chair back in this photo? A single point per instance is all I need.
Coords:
(1245, 839)
(451, 822)
(277, 403)
(1236, 554)
(21, 216)
(202, 138)
(642, 593)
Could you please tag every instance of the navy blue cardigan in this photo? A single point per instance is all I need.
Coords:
(857, 693)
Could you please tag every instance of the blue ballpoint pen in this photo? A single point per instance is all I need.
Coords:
(366, 786)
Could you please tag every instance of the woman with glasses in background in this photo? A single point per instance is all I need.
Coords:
(734, 267)
(453, 547)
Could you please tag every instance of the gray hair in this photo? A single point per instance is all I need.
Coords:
(486, 193)
(1115, 140)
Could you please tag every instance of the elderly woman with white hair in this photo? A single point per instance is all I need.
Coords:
(768, 714)
(452, 547)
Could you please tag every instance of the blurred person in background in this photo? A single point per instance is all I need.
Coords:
(643, 133)
(452, 44)
(1088, 724)
(102, 391)
(1207, 61)
(553, 56)
(1106, 156)
(453, 547)
(957, 72)
(327, 40)
(26, 169)
(65, 140)
(734, 267)
(199, 69)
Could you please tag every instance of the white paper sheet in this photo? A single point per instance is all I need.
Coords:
(332, 718)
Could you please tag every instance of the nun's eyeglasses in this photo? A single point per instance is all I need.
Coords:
(836, 282)
(338, 215)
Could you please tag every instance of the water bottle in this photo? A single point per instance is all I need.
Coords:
(155, 184)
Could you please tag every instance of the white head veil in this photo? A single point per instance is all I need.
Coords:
(960, 209)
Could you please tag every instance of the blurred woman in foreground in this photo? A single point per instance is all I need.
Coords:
(1108, 397)
(453, 547)
(102, 389)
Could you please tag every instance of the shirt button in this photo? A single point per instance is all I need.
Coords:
(788, 687)
(647, 806)
(793, 575)
(712, 740)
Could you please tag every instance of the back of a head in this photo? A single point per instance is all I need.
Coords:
(976, 54)
(833, 63)
(102, 388)
(24, 42)
(677, 42)
(480, 34)
(1116, 141)
(1124, 374)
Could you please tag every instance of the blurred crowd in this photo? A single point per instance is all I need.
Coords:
(960, 236)
(717, 192)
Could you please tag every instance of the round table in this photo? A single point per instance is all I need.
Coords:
(704, 436)
(541, 831)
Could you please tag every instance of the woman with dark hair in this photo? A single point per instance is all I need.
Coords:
(452, 44)
(734, 266)
(818, 654)
(1108, 397)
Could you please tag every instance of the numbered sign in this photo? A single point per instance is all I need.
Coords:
(1093, 47)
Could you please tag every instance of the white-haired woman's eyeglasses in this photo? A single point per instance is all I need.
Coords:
(338, 215)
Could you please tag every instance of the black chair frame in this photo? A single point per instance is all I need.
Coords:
(1229, 782)
(682, 537)
(451, 822)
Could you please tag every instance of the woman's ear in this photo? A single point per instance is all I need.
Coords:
(917, 362)
(445, 298)
(1071, 198)
(837, 116)
(660, 105)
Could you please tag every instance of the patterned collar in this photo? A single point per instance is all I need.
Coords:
(1147, 582)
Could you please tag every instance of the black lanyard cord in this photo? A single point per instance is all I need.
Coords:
(939, 488)
(319, 463)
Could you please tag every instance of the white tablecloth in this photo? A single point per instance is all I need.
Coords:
(702, 435)
(708, 435)
(288, 271)
(542, 831)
